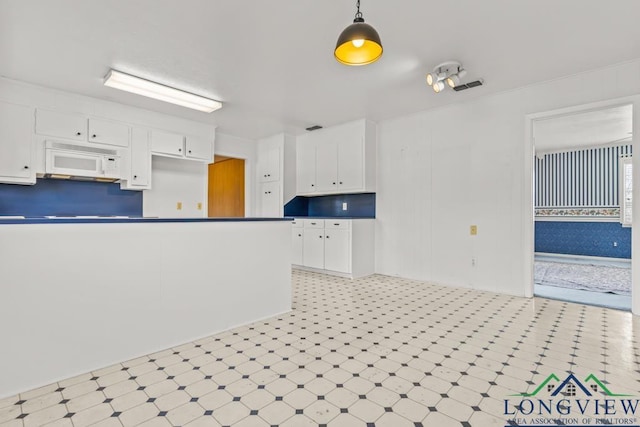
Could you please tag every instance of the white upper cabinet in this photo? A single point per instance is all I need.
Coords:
(79, 127)
(306, 164)
(167, 143)
(61, 125)
(327, 164)
(180, 146)
(269, 161)
(16, 144)
(198, 148)
(108, 132)
(275, 172)
(339, 159)
(138, 174)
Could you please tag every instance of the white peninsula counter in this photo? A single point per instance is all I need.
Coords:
(77, 295)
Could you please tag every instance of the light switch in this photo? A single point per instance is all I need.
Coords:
(473, 230)
(199, 206)
(179, 206)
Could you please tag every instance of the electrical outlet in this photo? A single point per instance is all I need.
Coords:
(199, 206)
(179, 206)
(344, 206)
(473, 230)
(615, 244)
(473, 262)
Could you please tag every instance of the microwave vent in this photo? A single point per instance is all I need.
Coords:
(81, 148)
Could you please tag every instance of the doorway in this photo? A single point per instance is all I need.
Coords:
(226, 188)
(582, 199)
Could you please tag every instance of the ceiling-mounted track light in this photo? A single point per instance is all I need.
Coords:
(359, 43)
(450, 72)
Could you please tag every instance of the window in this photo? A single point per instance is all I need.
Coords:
(571, 390)
(626, 187)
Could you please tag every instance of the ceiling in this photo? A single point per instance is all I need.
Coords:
(586, 129)
(271, 62)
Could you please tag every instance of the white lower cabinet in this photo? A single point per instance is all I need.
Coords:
(343, 247)
(297, 242)
(313, 244)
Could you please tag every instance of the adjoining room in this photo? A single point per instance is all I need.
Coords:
(583, 198)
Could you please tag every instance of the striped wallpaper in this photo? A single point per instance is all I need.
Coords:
(581, 178)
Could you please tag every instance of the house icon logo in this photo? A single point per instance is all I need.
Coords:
(571, 401)
(571, 386)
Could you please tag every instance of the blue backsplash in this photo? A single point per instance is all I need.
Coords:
(64, 198)
(358, 205)
(583, 238)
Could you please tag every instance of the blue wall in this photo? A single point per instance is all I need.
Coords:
(583, 238)
(358, 205)
(64, 198)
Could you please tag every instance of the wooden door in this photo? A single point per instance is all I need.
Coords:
(226, 188)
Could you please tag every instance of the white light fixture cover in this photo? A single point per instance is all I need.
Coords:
(133, 84)
(450, 72)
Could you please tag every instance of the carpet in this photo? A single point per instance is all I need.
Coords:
(584, 276)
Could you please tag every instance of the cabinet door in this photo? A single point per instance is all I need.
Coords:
(108, 132)
(351, 160)
(305, 166)
(199, 148)
(167, 143)
(140, 158)
(16, 133)
(269, 163)
(62, 125)
(270, 200)
(337, 250)
(297, 245)
(327, 164)
(313, 248)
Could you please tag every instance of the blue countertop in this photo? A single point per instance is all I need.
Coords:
(108, 220)
(332, 217)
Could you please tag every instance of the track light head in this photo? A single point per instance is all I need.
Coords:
(438, 87)
(453, 81)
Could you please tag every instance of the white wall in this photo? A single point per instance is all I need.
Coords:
(441, 170)
(240, 148)
(173, 181)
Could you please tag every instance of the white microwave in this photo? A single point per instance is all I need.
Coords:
(80, 161)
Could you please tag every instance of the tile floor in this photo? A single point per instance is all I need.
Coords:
(373, 352)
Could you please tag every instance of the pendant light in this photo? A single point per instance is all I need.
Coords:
(359, 43)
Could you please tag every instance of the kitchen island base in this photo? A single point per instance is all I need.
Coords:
(77, 297)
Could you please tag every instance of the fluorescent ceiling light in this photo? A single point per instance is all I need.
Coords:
(133, 84)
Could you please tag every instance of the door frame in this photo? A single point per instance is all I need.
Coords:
(528, 190)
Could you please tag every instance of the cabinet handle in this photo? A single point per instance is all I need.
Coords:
(313, 185)
(78, 133)
(265, 175)
(94, 136)
(334, 183)
(179, 150)
(340, 182)
(299, 235)
(336, 223)
(26, 167)
(135, 176)
(189, 151)
(327, 237)
(320, 237)
(313, 223)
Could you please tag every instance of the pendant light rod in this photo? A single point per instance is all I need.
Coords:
(358, 17)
